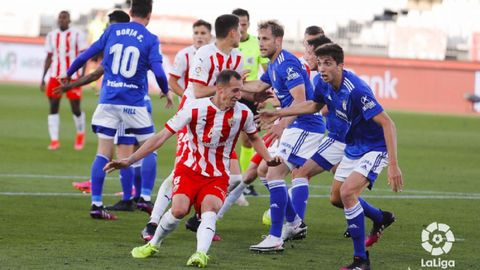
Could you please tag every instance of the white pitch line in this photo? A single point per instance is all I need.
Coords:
(413, 197)
(79, 177)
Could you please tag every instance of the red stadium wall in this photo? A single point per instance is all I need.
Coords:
(399, 84)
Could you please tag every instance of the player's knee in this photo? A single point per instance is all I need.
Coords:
(336, 201)
(179, 212)
(346, 193)
(250, 176)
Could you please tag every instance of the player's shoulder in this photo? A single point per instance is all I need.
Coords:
(239, 106)
(206, 50)
(187, 50)
(353, 82)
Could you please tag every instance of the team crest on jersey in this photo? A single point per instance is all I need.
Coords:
(198, 70)
(176, 182)
(231, 122)
(291, 74)
(367, 103)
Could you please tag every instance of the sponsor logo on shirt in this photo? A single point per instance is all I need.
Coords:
(291, 74)
(367, 103)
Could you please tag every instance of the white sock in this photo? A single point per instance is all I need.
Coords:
(206, 231)
(164, 197)
(79, 122)
(167, 224)
(53, 126)
(231, 199)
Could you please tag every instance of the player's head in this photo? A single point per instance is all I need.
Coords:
(141, 9)
(244, 21)
(202, 33)
(227, 27)
(312, 32)
(270, 37)
(229, 84)
(312, 44)
(330, 62)
(118, 16)
(63, 20)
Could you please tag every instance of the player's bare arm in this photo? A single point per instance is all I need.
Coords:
(395, 179)
(93, 76)
(266, 117)
(152, 144)
(174, 86)
(260, 148)
(202, 91)
(46, 66)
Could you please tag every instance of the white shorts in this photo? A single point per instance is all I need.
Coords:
(108, 117)
(329, 153)
(297, 145)
(369, 165)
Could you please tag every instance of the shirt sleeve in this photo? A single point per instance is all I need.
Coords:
(155, 55)
(292, 74)
(249, 126)
(318, 93)
(179, 120)
(199, 71)
(266, 78)
(365, 101)
(179, 64)
(49, 48)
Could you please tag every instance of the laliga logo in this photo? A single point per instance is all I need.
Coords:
(438, 233)
(437, 239)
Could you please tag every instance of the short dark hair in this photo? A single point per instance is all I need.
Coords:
(141, 8)
(119, 16)
(226, 75)
(225, 23)
(241, 12)
(331, 49)
(318, 41)
(314, 30)
(203, 23)
(274, 25)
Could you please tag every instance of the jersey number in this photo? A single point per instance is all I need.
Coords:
(121, 59)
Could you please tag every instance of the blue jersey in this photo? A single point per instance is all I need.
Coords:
(336, 102)
(129, 52)
(364, 135)
(285, 73)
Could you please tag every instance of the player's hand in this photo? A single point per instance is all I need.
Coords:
(265, 118)
(42, 86)
(262, 96)
(274, 162)
(61, 89)
(245, 74)
(169, 99)
(395, 179)
(116, 164)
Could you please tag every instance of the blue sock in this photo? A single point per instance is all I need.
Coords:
(375, 214)
(137, 181)
(356, 228)
(149, 172)
(290, 213)
(98, 177)
(278, 201)
(126, 178)
(300, 196)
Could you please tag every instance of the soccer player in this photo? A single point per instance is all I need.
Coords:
(371, 143)
(178, 82)
(252, 61)
(298, 136)
(63, 45)
(142, 199)
(201, 177)
(130, 50)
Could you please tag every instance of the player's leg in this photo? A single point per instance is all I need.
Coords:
(236, 178)
(53, 116)
(246, 149)
(75, 96)
(354, 213)
(126, 180)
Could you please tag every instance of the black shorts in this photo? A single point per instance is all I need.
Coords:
(250, 105)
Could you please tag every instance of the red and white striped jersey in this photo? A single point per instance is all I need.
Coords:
(208, 62)
(311, 73)
(64, 46)
(181, 65)
(212, 134)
